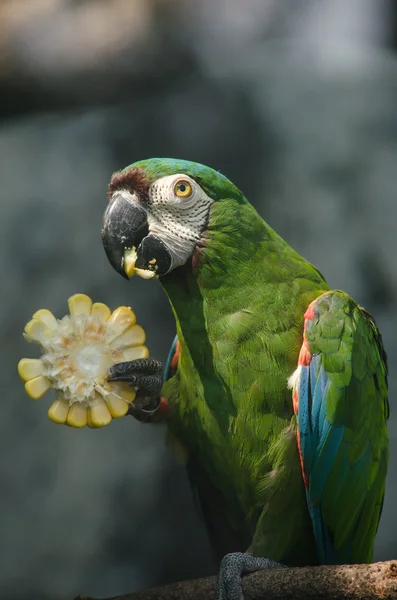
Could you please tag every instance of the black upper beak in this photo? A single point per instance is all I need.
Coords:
(124, 225)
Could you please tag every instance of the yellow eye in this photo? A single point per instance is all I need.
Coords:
(183, 189)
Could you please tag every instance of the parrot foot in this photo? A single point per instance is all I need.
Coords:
(233, 566)
(146, 375)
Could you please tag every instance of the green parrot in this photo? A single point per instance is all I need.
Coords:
(275, 391)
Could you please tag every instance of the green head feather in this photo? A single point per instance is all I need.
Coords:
(216, 185)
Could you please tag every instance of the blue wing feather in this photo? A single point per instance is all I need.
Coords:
(167, 370)
(307, 441)
(314, 431)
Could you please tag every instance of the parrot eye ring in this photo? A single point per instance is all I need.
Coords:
(183, 189)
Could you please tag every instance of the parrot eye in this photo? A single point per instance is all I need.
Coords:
(183, 189)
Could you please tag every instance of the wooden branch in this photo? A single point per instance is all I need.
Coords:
(347, 582)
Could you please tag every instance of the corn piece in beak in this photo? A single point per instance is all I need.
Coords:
(46, 317)
(29, 368)
(129, 261)
(145, 273)
(58, 411)
(101, 311)
(80, 304)
(129, 265)
(37, 387)
(77, 415)
(99, 414)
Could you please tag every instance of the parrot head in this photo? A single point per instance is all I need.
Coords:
(157, 214)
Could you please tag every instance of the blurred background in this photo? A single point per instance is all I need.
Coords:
(295, 101)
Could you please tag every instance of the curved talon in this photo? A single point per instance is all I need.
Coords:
(144, 407)
(145, 366)
(145, 374)
(148, 382)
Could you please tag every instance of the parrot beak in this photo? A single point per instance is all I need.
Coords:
(124, 226)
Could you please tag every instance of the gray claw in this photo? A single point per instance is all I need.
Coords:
(146, 375)
(141, 366)
(232, 567)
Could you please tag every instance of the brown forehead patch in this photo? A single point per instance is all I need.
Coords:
(133, 180)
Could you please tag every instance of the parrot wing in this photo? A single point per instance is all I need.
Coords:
(340, 399)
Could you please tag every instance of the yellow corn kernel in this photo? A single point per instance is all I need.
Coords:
(134, 352)
(121, 319)
(58, 411)
(117, 406)
(129, 261)
(133, 336)
(99, 414)
(77, 415)
(45, 316)
(101, 311)
(37, 330)
(37, 387)
(80, 304)
(29, 368)
(123, 390)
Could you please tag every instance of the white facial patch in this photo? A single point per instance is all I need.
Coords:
(177, 221)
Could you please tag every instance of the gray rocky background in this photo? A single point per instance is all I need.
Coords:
(294, 100)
